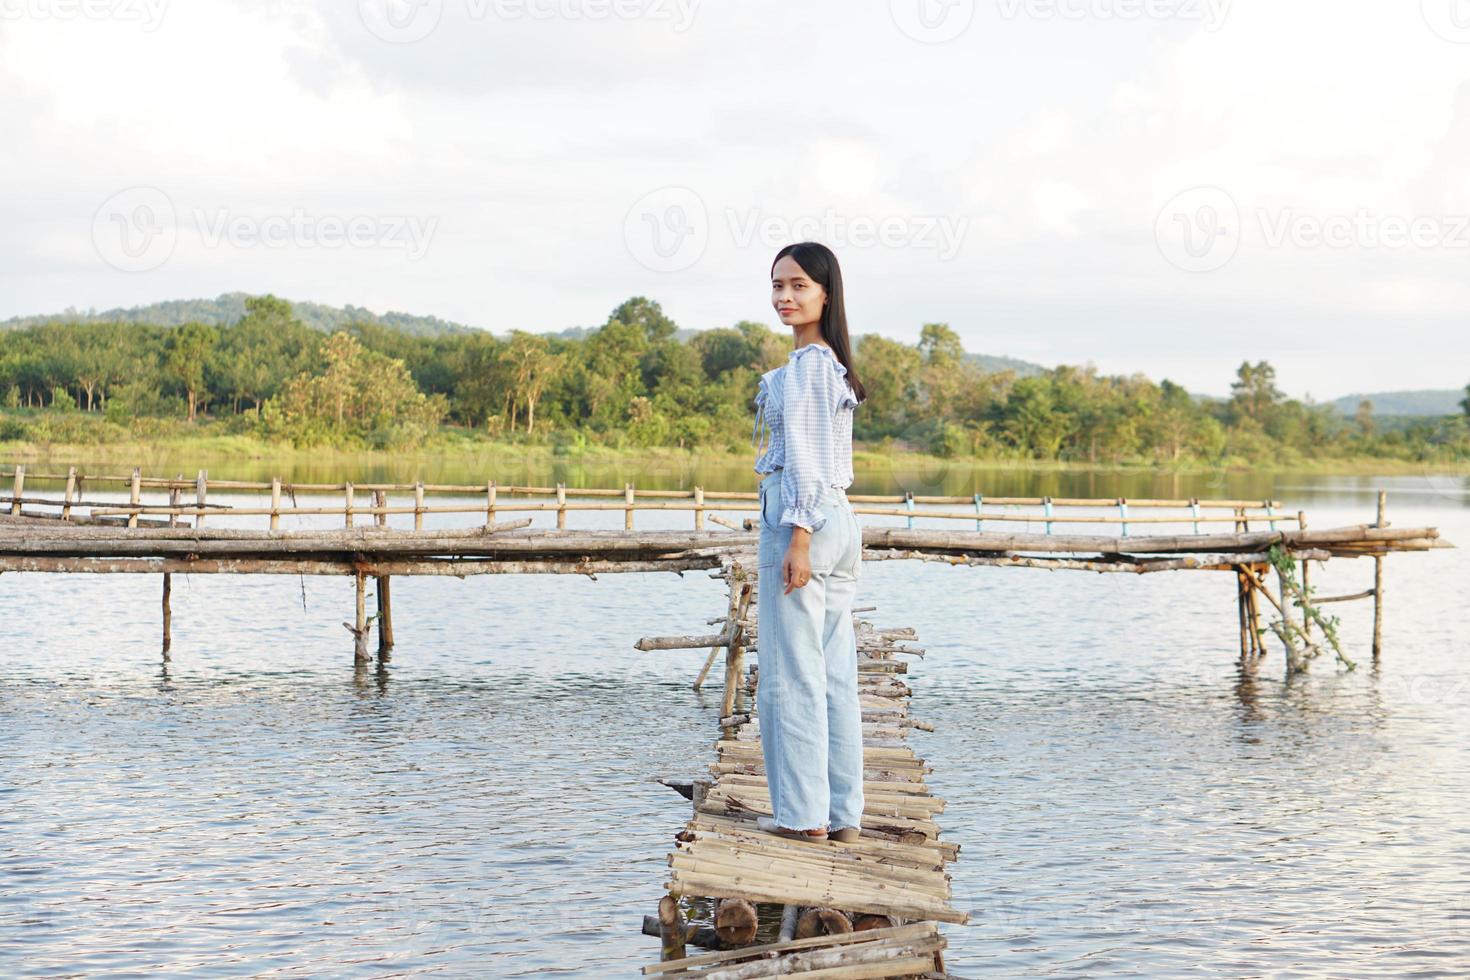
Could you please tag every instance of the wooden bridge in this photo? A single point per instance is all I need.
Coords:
(83, 523)
(760, 905)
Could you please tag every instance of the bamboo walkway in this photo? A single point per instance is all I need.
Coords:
(871, 908)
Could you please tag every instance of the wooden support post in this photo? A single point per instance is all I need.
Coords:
(699, 508)
(71, 489)
(735, 655)
(1242, 592)
(789, 915)
(350, 495)
(385, 596)
(359, 632)
(1378, 583)
(135, 496)
(1294, 663)
(201, 488)
(168, 615)
(418, 506)
(174, 495)
(561, 505)
(1258, 648)
(275, 503)
(671, 928)
(18, 487)
(489, 503)
(628, 508)
(1301, 523)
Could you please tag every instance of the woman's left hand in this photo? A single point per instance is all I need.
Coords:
(796, 567)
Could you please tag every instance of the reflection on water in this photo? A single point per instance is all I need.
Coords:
(1127, 801)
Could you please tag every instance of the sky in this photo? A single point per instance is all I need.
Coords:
(1168, 187)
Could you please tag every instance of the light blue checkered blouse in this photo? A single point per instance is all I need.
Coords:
(806, 405)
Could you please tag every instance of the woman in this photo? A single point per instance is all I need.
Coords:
(810, 560)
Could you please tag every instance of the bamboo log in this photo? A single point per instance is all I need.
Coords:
(201, 490)
(822, 922)
(16, 490)
(783, 891)
(735, 921)
(854, 964)
(71, 488)
(314, 566)
(917, 931)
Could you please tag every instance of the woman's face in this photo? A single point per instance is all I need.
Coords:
(797, 298)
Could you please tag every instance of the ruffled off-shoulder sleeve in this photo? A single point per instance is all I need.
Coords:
(814, 388)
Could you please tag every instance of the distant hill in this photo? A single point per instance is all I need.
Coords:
(1428, 402)
(230, 307)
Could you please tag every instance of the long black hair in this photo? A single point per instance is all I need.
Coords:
(820, 264)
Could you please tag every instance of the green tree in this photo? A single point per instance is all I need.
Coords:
(1254, 393)
(189, 348)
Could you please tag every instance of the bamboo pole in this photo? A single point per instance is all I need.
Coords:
(699, 508)
(1241, 592)
(312, 566)
(71, 486)
(168, 586)
(561, 505)
(275, 503)
(349, 499)
(1301, 523)
(17, 490)
(1378, 582)
(489, 503)
(384, 590)
(201, 488)
(359, 632)
(628, 512)
(168, 616)
(418, 506)
(135, 495)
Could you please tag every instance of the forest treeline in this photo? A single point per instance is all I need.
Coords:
(633, 383)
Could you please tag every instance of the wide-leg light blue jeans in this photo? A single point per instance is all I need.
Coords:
(811, 722)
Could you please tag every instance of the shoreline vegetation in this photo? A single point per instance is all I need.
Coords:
(268, 387)
(468, 448)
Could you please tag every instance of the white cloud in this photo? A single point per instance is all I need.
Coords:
(1054, 142)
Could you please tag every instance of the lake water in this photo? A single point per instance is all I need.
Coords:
(1127, 801)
